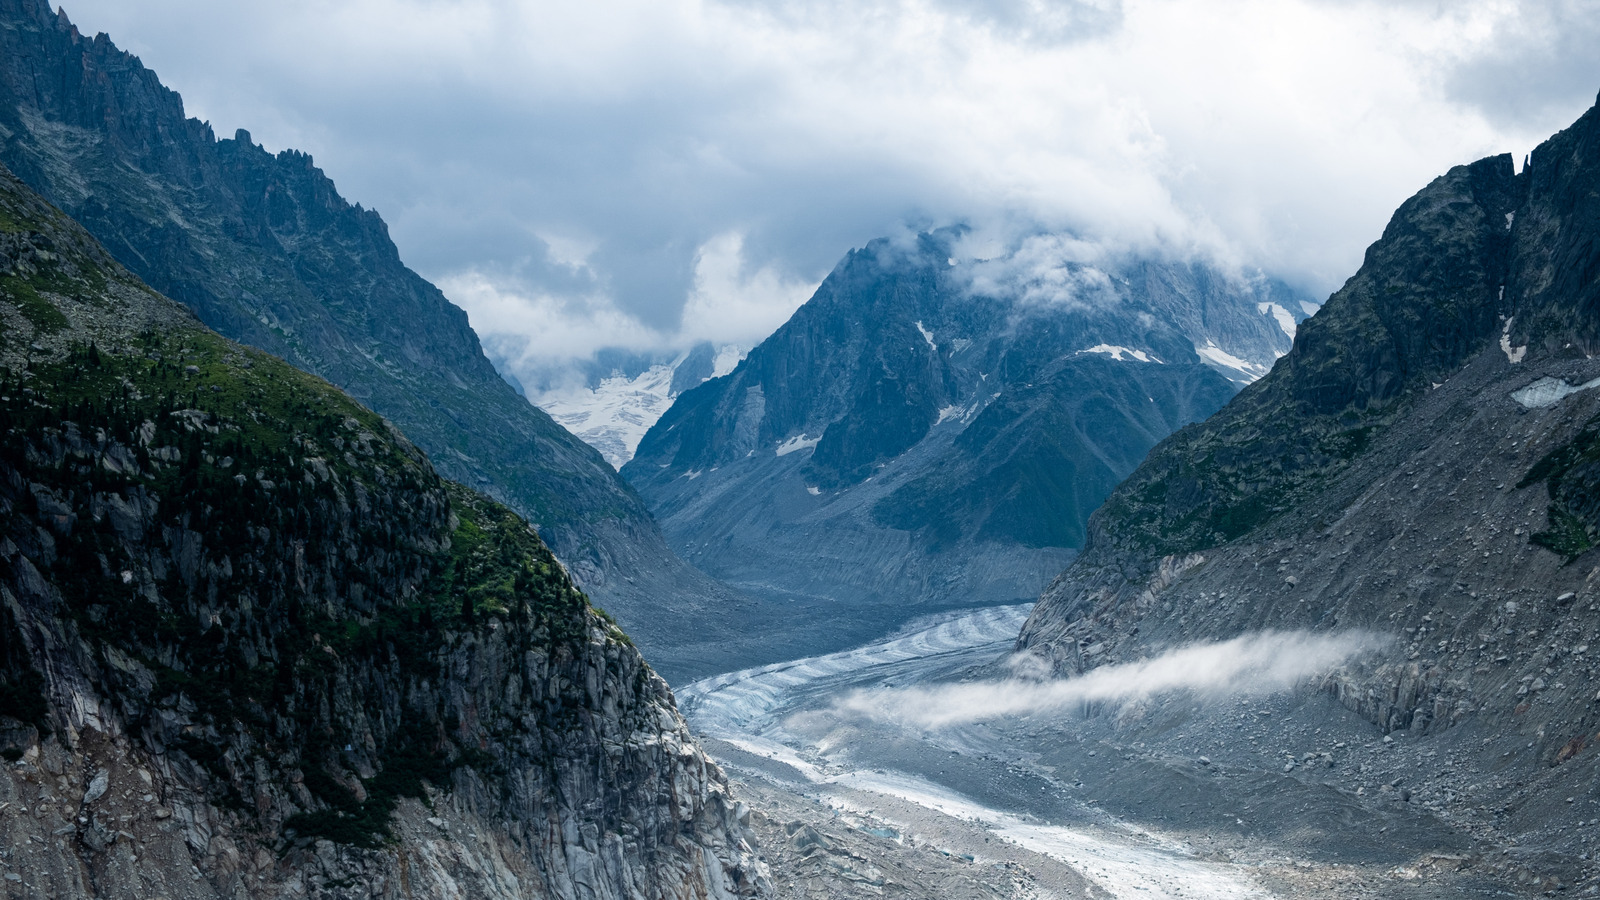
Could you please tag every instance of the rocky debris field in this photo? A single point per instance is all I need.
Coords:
(1295, 809)
(826, 842)
(1314, 802)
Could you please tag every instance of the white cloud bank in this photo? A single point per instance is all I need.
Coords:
(528, 331)
(728, 304)
(1249, 665)
(583, 173)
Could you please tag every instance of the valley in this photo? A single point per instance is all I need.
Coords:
(1416, 478)
(1019, 562)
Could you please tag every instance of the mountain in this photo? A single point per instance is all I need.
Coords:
(1423, 465)
(928, 431)
(252, 645)
(264, 250)
(625, 393)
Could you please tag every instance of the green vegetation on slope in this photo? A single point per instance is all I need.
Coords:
(1571, 473)
(1429, 295)
(232, 536)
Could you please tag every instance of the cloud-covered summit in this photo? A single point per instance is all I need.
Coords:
(644, 173)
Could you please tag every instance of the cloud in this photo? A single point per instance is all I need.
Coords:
(1249, 665)
(729, 305)
(1042, 21)
(584, 157)
(1044, 270)
(523, 327)
(535, 334)
(1527, 69)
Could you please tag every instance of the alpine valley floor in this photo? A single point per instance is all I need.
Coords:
(1287, 796)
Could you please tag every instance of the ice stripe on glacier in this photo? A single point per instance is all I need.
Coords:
(1550, 391)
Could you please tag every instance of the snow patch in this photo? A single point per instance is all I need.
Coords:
(1510, 217)
(814, 491)
(1284, 317)
(798, 442)
(1550, 391)
(614, 416)
(950, 412)
(1116, 353)
(928, 336)
(1514, 355)
(1212, 353)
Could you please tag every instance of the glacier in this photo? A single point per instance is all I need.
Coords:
(613, 415)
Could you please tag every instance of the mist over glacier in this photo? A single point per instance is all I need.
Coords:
(1250, 665)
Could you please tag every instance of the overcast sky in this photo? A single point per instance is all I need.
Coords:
(654, 172)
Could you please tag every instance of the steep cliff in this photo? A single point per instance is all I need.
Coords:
(251, 645)
(933, 430)
(265, 251)
(1422, 464)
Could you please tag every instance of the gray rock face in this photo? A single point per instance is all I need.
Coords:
(1402, 470)
(1427, 298)
(264, 249)
(924, 433)
(251, 645)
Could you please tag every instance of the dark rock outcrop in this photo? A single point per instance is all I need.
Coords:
(251, 645)
(1424, 301)
(265, 251)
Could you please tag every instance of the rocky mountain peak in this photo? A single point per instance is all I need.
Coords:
(939, 426)
(1551, 286)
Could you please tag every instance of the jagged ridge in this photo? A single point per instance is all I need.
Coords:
(264, 250)
(236, 594)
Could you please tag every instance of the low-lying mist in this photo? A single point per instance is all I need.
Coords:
(1249, 665)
